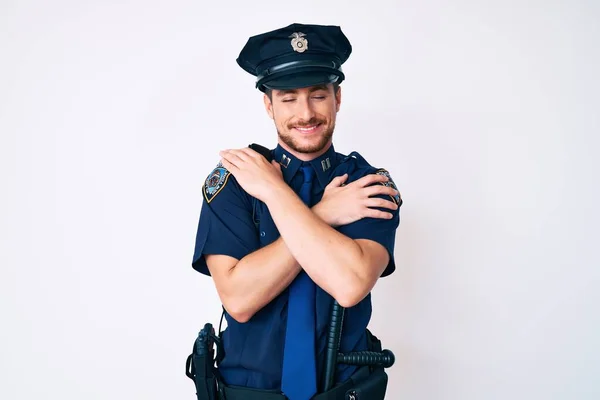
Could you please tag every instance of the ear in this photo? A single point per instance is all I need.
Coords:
(338, 99)
(268, 105)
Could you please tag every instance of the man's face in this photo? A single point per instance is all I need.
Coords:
(304, 118)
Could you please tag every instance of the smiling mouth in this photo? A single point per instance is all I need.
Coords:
(307, 129)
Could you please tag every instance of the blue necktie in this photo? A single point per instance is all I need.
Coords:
(299, 376)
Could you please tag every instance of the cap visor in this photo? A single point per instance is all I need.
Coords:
(301, 80)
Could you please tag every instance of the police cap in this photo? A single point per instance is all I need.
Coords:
(296, 56)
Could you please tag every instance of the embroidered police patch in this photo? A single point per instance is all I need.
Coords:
(215, 181)
(390, 183)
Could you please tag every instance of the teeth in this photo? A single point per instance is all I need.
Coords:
(306, 129)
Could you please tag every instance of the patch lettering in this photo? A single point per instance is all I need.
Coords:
(390, 183)
(215, 182)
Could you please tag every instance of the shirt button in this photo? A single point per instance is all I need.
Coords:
(262, 234)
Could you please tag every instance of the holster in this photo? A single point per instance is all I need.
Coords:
(367, 383)
(200, 365)
(362, 385)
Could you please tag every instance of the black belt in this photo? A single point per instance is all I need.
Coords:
(337, 392)
(245, 393)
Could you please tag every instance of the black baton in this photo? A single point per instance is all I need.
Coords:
(384, 359)
(333, 344)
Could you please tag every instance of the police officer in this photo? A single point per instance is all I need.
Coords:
(283, 238)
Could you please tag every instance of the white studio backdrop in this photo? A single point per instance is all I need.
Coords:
(486, 114)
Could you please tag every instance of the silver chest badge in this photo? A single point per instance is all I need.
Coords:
(299, 43)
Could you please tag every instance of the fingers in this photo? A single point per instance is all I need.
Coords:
(381, 203)
(229, 166)
(250, 153)
(370, 179)
(380, 190)
(234, 157)
(372, 213)
(277, 167)
(337, 181)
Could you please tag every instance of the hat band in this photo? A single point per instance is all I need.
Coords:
(297, 64)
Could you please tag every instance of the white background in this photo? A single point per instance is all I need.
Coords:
(486, 113)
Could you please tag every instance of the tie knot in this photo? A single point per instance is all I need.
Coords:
(308, 172)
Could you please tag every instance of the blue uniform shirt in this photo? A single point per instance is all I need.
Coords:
(236, 224)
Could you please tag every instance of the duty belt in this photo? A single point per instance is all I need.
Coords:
(368, 382)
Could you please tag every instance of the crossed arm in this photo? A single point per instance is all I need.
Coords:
(345, 268)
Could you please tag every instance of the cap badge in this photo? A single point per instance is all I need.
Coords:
(299, 43)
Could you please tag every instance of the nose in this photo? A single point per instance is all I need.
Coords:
(306, 111)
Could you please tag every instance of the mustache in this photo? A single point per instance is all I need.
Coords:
(310, 122)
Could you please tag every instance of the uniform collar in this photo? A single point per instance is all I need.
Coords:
(323, 165)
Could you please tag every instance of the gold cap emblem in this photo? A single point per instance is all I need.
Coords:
(299, 43)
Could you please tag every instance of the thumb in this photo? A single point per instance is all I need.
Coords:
(338, 181)
(276, 165)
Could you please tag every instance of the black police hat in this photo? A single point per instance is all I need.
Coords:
(296, 56)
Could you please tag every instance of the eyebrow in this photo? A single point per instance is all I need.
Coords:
(294, 91)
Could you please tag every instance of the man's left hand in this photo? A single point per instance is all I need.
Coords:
(254, 173)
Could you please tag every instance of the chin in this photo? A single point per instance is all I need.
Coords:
(305, 144)
(311, 147)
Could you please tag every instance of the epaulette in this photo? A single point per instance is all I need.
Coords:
(356, 155)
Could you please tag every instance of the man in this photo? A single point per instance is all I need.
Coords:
(283, 239)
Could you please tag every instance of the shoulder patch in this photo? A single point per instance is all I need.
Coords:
(390, 183)
(215, 182)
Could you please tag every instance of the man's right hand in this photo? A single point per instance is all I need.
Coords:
(342, 205)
